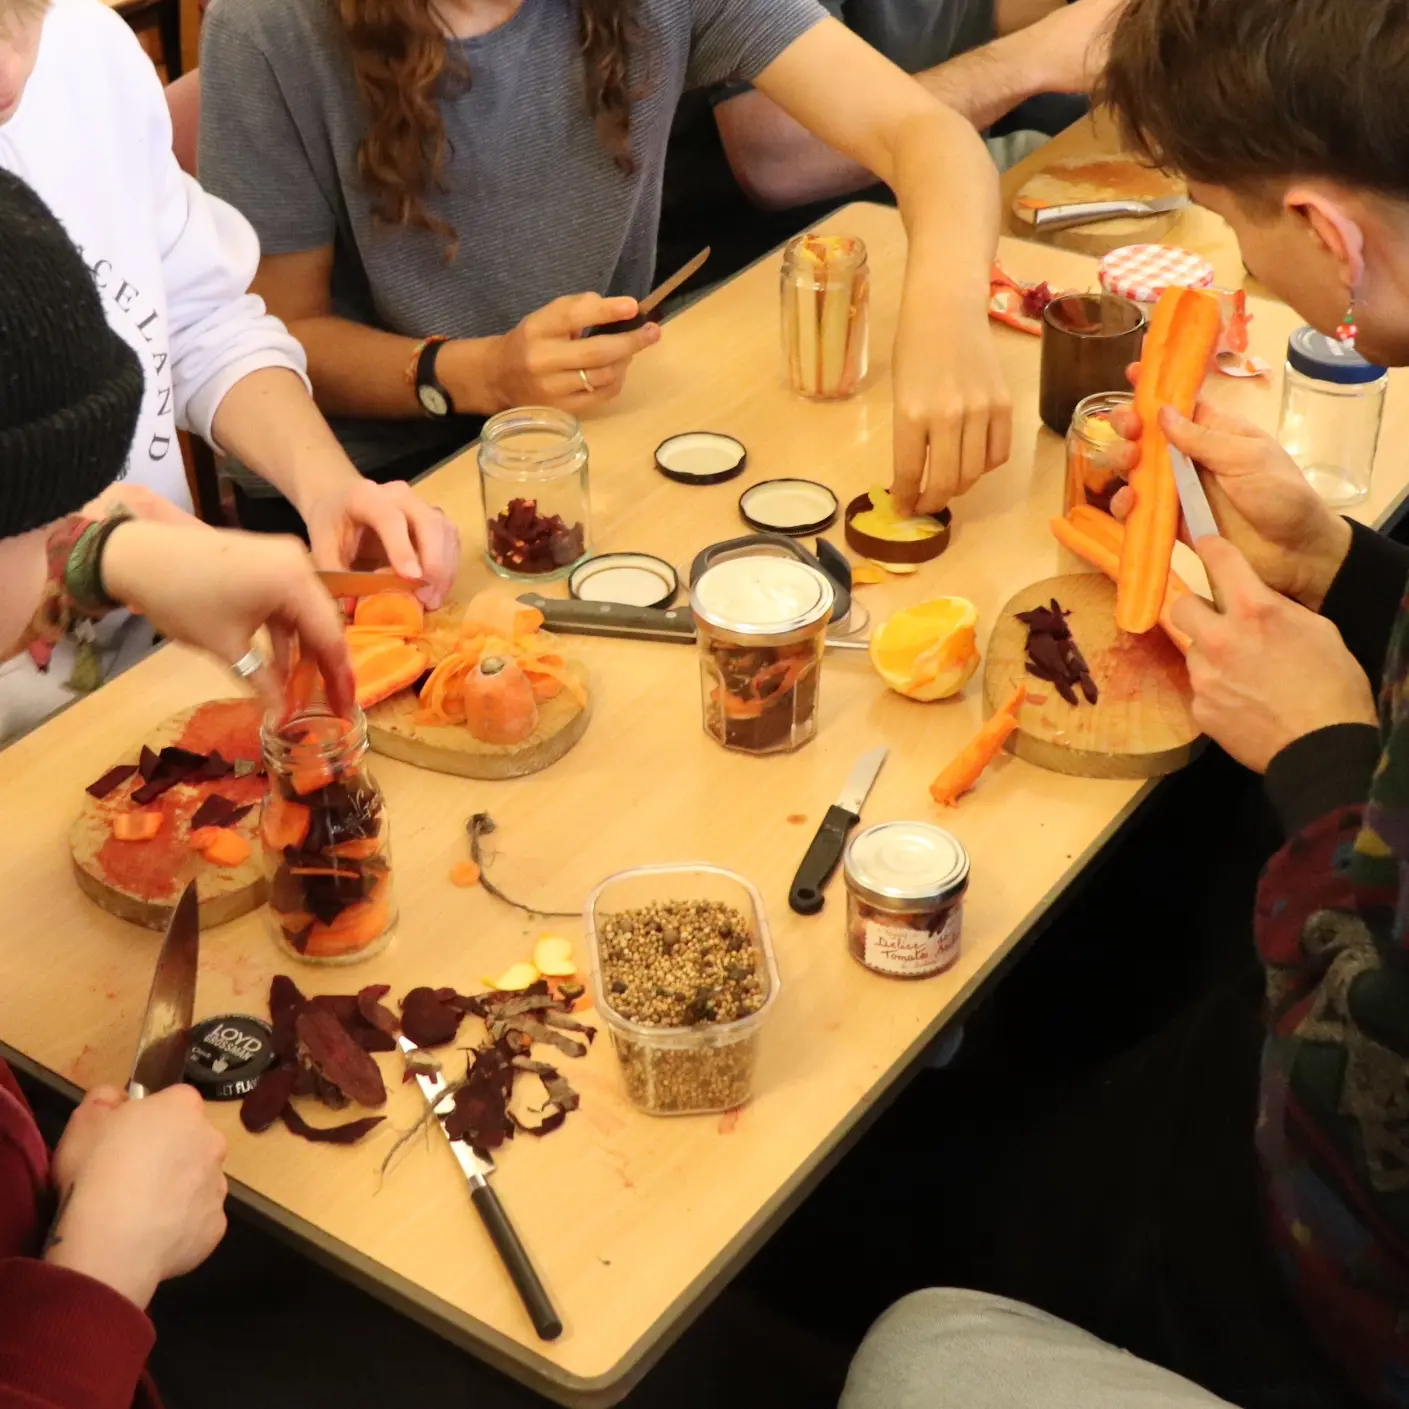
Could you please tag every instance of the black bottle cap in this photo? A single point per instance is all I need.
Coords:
(227, 1055)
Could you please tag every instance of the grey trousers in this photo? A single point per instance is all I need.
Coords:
(946, 1349)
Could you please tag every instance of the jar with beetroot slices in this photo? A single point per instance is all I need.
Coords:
(327, 846)
(761, 623)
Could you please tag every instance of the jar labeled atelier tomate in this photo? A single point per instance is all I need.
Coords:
(327, 846)
(905, 885)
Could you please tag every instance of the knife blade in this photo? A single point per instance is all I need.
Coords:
(1192, 498)
(576, 618)
(1065, 217)
(161, 1049)
(653, 300)
(477, 1167)
(822, 856)
(367, 584)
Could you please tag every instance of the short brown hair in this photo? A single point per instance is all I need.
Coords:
(1243, 93)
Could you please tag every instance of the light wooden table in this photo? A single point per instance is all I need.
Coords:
(1197, 229)
(634, 1221)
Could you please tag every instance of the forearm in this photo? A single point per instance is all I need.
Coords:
(1363, 594)
(987, 84)
(361, 371)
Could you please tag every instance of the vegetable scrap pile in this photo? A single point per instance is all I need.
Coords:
(1052, 654)
(1017, 304)
(523, 540)
(323, 1048)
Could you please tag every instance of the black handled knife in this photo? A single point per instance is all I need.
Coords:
(822, 856)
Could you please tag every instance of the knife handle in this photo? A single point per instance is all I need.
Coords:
(531, 1291)
(821, 860)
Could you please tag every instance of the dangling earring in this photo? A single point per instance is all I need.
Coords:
(1347, 330)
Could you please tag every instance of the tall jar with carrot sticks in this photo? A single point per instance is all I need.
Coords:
(826, 305)
(327, 847)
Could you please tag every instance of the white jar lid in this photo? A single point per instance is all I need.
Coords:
(906, 861)
(762, 595)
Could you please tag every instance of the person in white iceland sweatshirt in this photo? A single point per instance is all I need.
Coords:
(84, 120)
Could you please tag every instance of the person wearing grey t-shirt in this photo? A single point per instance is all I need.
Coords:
(449, 194)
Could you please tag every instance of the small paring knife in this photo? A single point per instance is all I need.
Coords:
(825, 852)
(1192, 498)
(1051, 218)
(161, 1048)
(477, 1168)
(367, 584)
(653, 300)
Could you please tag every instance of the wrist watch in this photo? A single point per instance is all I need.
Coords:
(435, 400)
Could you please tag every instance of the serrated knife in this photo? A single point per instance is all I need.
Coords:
(166, 1025)
(822, 856)
(477, 1168)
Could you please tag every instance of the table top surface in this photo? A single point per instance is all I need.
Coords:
(633, 1220)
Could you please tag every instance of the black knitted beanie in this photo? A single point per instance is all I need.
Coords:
(70, 388)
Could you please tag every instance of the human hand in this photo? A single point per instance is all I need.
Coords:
(215, 590)
(356, 520)
(1262, 502)
(1264, 670)
(953, 414)
(544, 361)
(142, 1192)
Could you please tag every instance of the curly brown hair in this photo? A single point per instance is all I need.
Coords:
(401, 58)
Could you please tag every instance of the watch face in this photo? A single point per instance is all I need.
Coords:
(433, 400)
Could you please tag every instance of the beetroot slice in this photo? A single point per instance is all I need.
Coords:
(331, 1049)
(219, 811)
(373, 1011)
(285, 1004)
(147, 763)
(347, 1134)
(263, 1105)
(114, 778)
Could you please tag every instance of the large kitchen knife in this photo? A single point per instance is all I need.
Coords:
(161, 1049)
(577, 618)
(822, 856)
(477, 1168)
(1066, 217)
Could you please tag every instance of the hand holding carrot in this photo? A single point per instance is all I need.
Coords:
(1265, 671)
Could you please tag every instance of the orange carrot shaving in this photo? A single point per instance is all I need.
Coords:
(221, 846)
(1183, 334)
(555, 668)
(496, 611)
(398, 609)
(964, 770)
(464, 874)
(136, 826)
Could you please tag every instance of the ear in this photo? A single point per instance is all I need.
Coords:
(1333, 228)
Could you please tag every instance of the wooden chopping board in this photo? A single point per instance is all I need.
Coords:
(1140, 727)
(140, 881)
(1098, 178)
(393, 730)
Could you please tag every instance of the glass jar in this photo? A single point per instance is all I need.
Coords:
(826, 306)
(1332, 404)
(761, 623)
(327, 845)
(1091, 477)
(905, 886)
(533, 477)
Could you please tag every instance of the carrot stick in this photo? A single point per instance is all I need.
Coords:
(964, 769)
(1183, 333)
(1101, 548)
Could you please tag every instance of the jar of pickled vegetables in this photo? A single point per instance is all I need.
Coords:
(327, 850)
(826, 304)
(1092, 478)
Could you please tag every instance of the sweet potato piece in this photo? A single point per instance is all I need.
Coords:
(136, 826)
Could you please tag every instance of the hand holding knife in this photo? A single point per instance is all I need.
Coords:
(826, 850)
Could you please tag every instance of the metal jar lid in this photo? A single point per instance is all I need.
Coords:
(904, 865)
(1326, 359)
(762, 595)
(227, 1056)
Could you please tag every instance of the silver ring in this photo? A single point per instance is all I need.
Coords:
(585, 380)
(249, 665)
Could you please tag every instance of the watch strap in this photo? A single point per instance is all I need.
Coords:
(427, 353)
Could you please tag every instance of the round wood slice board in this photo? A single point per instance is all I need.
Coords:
(1140, 727)
(393, 730)
(140, 881)
(1099, 179)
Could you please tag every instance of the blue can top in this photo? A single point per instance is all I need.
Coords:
(1315, 355)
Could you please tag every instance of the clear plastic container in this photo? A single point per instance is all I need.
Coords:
(762, 625)
(327, 842)
(1091, 477)
(681, 1069)
(826, 307)
(1332, 404)
(533, 476)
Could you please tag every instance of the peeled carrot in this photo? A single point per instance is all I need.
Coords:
(136, 826)
(1101, 548)
(284, 824)
(499, 703)
(964, 770)
(1183, 333)
(221, 846)
(398, 609)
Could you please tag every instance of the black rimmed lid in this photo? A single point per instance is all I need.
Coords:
(227, 1055)
(795, 507)
(628, 579)
(701, 457)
